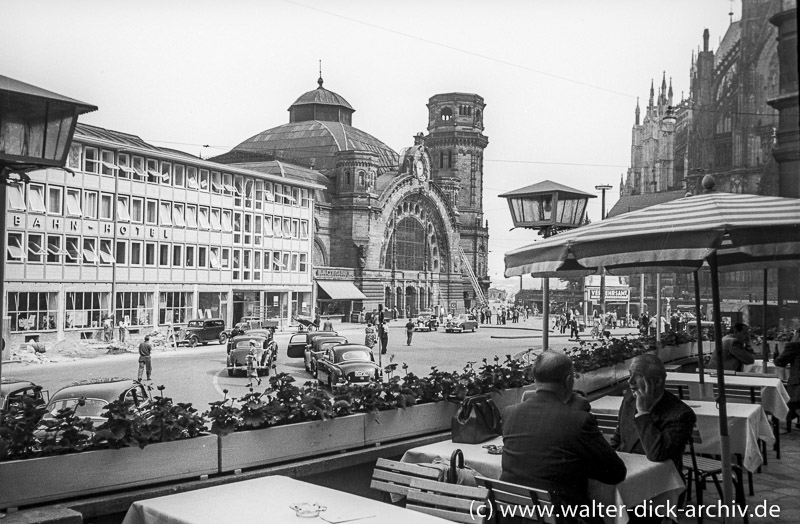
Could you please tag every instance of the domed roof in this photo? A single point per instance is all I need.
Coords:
(321, 95)
(311, 143)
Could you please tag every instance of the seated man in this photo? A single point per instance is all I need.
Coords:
(652, 421)
(736, 349)
(550, 445)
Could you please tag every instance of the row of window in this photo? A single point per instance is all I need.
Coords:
(248, 192)
(93, 205)
(247, 264)
(38, 311)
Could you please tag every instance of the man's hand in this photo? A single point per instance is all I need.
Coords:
(645, 393)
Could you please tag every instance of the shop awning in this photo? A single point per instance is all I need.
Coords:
(341, 290)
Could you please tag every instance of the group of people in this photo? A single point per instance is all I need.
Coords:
(569, 319)
(552, 441)
(376, 331)
(501, 314)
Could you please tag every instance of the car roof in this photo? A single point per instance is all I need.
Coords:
(244, 338)
(7, 386)
(341, 348)
(106, 389)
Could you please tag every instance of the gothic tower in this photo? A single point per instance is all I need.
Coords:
(456, 143)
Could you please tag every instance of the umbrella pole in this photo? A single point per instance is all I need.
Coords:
(764, 349)
(700, 363)
(545, 314)
(724, 438)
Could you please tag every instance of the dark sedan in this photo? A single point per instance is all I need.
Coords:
(239, 347)
(347, 364)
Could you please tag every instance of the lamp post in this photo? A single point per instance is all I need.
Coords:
(603, 188)
(548, 207)
(36, 129)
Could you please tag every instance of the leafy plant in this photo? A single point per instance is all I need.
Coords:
(17, 431)
(65, 432)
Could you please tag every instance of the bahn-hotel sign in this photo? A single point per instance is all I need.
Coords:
(58, 224)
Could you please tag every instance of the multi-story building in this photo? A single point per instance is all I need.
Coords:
(403, 230)
(154, 237)
(726, 128)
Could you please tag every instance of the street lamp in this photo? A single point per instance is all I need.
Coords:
(549, 207)
(603, 188)
(36, 129)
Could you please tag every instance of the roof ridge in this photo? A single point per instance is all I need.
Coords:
(338, 145)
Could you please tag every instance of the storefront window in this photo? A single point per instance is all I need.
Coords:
(85, 309)
(175, 307)
(135, 307)
(32, 311)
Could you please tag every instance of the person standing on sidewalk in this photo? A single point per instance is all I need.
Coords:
(409, 331)
(145, 348)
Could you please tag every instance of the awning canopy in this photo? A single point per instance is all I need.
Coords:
(341, 290)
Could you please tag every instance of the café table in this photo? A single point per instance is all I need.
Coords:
(774, 397)
(758, 367)
(267, 500)
(645, 481)
(747, 424)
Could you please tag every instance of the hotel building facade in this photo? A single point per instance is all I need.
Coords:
(152, 236)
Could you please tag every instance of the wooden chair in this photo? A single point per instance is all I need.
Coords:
(679, 390)
(698, 469)
(504, 497)
(447, 501)
(607, 423)
(394, 478)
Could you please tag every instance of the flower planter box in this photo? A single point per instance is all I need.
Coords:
(396, 424)
(261, 447)
(591, 381)
(45, 479)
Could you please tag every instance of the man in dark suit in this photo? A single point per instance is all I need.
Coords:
(652, 421)
(550, 445)
(791, 358)
(736, 349)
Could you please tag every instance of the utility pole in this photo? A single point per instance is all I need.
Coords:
(603, 188)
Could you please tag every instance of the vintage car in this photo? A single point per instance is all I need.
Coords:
(426, 323)
(13, 393)
(347, 364)
(300, 341)
(316, 347)
(239, 347)
(97, 394)
(203, 331)
(463, 322)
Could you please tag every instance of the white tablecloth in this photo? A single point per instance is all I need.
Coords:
(266, 500)
(645, 480)
(747, 423)
(774, 397)
(772, 369)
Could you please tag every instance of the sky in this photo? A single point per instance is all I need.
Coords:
(560, 78)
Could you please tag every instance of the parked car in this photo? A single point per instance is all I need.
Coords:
(12, 392)
(299, 342)
(316, 347)
(463, 322)
(348, 364)
(426, 323)
(239, 347)
(204, 331)
(98, 394)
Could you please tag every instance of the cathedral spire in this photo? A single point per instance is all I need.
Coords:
(669, 94)
(637, 110)
(652, 93)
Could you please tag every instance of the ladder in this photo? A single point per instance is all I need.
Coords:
(472, 278)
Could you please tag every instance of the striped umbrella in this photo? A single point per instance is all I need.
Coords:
(726, 231)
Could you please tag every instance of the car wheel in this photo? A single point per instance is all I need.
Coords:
(330, 382)
(231, 372)
(306, 365)
(473, 330)
(223, 338)
(194, 341)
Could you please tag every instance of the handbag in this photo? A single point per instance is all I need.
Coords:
(477, 421)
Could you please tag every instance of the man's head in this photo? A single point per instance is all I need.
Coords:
(647, 368)
(741, 330)
(554, 371)
(147, 338)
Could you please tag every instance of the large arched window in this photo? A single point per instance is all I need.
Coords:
(408, 246)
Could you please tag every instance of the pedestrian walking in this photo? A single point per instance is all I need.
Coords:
(409, 331)
(145, 348)
(328, 325)
(123, 330)
(370, 335)
(252, 363)
(383, 335)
